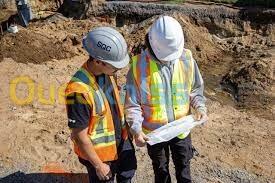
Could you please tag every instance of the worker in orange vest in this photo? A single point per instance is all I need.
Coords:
(95, 113)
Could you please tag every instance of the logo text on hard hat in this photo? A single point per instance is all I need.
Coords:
(104, 46)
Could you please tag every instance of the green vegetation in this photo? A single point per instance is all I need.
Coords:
(263, 3)
(222, 1)
(175, 1)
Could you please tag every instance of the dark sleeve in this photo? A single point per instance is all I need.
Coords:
(78, 111)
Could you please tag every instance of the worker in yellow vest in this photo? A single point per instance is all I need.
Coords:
(95, 113)
(164, 82)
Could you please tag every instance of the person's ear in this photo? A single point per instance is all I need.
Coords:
(91, 59)
(97, 62)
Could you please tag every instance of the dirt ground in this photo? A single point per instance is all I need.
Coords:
(237, 144)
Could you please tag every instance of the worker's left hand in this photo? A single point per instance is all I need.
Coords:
(140, 139)
(201, 116)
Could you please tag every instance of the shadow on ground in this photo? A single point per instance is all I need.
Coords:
(20, 177)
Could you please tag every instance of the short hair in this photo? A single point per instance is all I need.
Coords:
(148, 45)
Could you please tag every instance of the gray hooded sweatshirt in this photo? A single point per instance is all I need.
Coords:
(133, 109)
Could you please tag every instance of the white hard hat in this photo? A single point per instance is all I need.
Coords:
(166, 38)
(107, 45)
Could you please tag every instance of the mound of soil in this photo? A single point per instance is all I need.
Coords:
(197, 38)
(250, 83)
(44, 5)
(29, 46)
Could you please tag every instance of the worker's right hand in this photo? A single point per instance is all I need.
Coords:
(140, 139)
(201, 116)
(103, 172)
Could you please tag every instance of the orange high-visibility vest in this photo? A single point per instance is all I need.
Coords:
(150, 86)
(101, 129)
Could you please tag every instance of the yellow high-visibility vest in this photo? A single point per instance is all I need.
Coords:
(146, 73)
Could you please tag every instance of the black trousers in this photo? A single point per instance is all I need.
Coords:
(182, 153)
(124, 168)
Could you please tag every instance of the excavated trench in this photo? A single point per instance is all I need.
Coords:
(232, 46)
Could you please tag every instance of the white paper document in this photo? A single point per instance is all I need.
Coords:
(172, 130)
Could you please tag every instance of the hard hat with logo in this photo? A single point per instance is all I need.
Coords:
(166, 38)
(107, 45)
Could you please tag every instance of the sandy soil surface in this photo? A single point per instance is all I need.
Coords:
(237, 145)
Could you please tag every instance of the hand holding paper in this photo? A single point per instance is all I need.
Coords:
(140, 139)
(173, 129)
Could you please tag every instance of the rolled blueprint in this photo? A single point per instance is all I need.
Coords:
(173, 129)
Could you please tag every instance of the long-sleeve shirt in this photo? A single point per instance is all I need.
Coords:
(133, 108)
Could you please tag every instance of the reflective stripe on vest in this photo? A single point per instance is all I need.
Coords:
(152, 91)
(101, 128)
